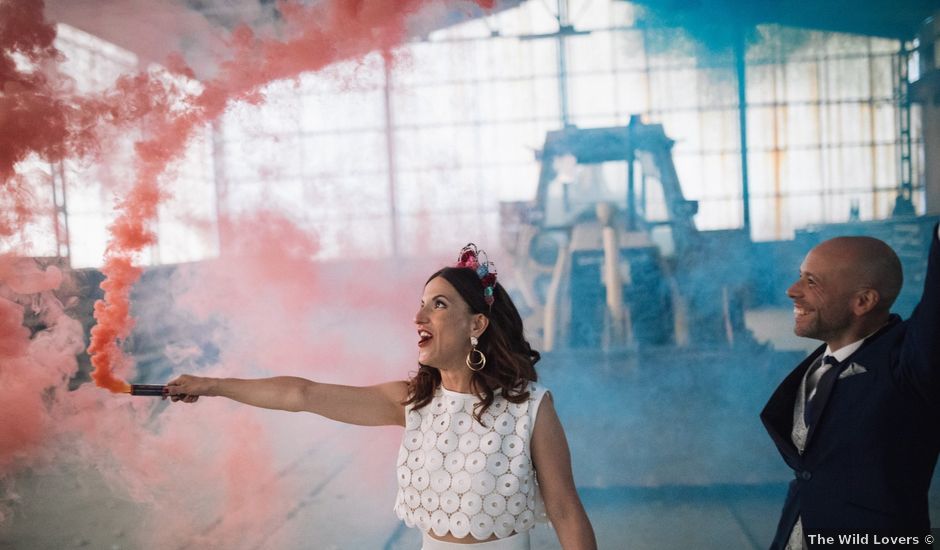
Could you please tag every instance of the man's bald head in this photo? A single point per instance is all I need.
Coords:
(866, 262)
(845, 290)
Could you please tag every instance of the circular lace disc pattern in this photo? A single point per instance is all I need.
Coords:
(462, 477)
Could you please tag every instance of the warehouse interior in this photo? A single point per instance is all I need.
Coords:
(267, 185)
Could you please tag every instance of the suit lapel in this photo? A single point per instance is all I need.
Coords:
(777, 415)
(823, 390)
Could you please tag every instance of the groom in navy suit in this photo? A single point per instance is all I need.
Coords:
(858, 420)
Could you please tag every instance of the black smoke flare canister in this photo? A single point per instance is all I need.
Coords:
(153, 390)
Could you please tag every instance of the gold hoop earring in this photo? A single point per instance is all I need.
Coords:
(475, 366)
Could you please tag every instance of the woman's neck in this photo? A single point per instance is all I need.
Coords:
(457, 380)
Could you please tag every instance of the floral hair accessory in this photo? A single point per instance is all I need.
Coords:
(470, 256)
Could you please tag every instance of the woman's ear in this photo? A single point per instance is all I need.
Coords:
(479, 324)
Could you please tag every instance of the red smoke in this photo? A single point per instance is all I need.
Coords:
(322, 34)
(32, 367)
(41, 117)
(31, 116)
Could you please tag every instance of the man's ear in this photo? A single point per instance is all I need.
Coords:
(865, 300)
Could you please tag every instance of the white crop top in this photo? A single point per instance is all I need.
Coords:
(456, 475)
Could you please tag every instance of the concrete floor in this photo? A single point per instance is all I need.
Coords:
(56, 512)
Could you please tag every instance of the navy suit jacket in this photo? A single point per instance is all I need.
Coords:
(870, 456)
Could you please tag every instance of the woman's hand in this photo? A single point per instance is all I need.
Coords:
(188, 388)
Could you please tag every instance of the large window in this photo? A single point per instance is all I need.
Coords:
(415, 156)
(471, 105)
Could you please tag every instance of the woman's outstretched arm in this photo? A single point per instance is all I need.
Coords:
(379, 405)
(552, 461)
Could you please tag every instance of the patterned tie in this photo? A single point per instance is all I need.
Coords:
(816, 379)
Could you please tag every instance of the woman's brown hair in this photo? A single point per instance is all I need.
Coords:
(510, 361)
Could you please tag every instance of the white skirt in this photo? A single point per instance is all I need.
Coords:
(519, 541)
